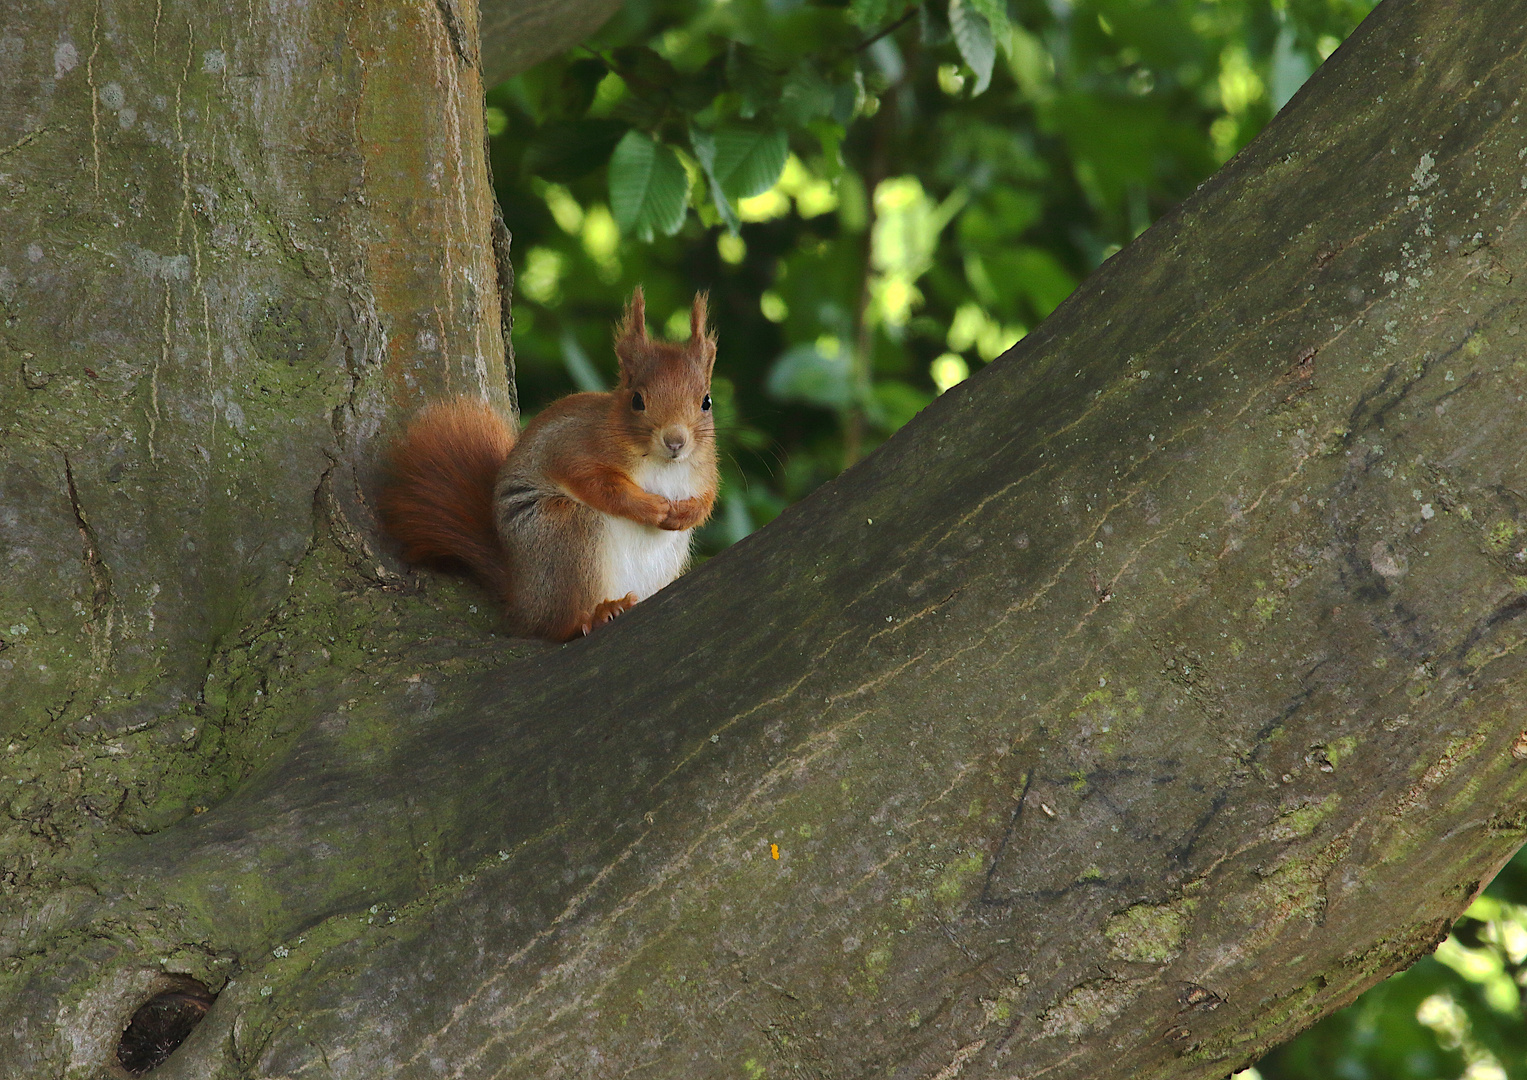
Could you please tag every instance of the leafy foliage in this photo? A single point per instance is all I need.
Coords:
(881, 196)
(648, 189)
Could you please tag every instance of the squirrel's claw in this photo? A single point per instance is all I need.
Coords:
(606, 610)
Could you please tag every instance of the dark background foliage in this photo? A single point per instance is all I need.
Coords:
(881, 198)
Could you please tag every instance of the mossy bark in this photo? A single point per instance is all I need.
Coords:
(1151, 694)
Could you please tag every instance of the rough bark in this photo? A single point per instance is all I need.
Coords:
(1150, 695)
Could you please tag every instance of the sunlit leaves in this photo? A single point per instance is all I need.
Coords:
(749, 160)
(908, 225)
(739, 162)
(972, 328)
(541, 274)
(704, 143)
(841, 311)
(948, 370)
(648, 187)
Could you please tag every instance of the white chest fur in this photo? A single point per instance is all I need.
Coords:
(642, 558)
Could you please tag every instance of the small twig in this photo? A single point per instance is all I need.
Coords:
(906, 17)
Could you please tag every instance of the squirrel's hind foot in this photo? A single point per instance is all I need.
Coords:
(606, 610)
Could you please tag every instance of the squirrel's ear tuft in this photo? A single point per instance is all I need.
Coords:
(633, 327)
(702, 339)
(631, 345)
(698, 317)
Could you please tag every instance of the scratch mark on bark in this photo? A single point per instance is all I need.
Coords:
(27, 140)
(184, 221)
(1434, 776)
(956, 1066)
(906, 620)
(878, 680)
(1007, 835)
(163, 357)
(95, 104)
(101, 599)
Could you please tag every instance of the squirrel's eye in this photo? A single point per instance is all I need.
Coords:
(706, 403)
(637, 403)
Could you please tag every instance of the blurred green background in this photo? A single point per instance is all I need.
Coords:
(881, 198)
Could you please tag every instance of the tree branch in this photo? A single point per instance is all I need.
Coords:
(518, 34)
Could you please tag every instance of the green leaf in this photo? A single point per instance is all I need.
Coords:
(704, 144)
(847, 99)
(973, 37)
(649, 189)
(830, 136)
(758, 85)
(995, 14)
(749, 159)
(805, 97)
(868, 14)
(1045, 281)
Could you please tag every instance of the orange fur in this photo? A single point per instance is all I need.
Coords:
(558, 523)
(438, 502)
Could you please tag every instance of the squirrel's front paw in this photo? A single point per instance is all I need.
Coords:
(683, 514)
(606, 610)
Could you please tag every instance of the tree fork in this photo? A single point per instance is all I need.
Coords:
(1151, 694)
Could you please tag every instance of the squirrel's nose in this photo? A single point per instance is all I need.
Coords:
(675, 441)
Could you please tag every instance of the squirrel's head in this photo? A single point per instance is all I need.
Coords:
(664, 391)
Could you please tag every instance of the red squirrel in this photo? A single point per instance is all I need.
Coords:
(590, 509)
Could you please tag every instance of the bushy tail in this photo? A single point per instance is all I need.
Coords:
(438, 499)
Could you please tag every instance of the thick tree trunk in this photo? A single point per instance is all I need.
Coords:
(1153, 693)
